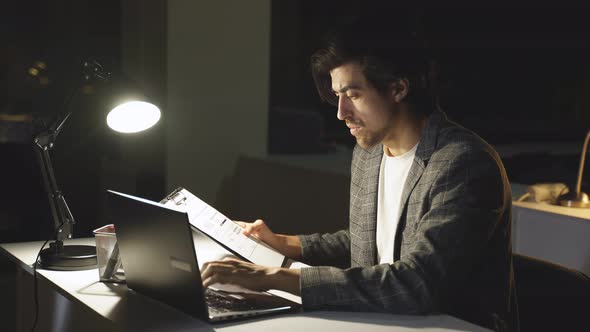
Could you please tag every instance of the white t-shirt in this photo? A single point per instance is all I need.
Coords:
(392, 177)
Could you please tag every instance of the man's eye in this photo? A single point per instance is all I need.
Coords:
(352, 96)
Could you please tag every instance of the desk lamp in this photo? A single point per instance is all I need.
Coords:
(578, 198)
(128, 116)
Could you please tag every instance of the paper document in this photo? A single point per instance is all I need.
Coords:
(211, 222)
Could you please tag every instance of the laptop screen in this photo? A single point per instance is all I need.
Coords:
(158, 254)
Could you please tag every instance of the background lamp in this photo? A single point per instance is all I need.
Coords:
(129, 117)
(578, 198)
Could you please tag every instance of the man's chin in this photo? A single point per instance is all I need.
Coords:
(365, 144)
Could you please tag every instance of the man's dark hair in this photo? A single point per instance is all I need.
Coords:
(386, 52)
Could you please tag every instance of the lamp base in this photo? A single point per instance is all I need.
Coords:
(68, 258)
(573, 199)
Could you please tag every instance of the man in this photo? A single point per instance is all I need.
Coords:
(429, 200)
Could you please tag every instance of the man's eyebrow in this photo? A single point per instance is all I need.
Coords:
(346, 88)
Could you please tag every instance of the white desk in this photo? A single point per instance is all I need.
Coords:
(76, 301)
(553, 233)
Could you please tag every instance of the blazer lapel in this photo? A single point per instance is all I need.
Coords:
(369, 219)
(367, 237)
(424, 150)
(414, 175)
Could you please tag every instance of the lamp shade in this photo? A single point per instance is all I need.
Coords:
(127, 108)
(133, 116)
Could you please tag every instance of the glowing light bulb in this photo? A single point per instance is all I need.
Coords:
(133, 116)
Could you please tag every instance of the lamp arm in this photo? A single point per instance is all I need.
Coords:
(59, 256)
(63, 220)
(582, 160)
(61, 214)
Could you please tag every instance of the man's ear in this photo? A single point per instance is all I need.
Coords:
(400, 89)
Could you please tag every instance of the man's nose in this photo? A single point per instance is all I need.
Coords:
(343, 108)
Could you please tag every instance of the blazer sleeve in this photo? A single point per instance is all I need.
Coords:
(466, 203)
(331, 249)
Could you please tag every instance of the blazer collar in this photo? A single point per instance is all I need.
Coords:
(372, 166)
(429, 135)
(427, 143)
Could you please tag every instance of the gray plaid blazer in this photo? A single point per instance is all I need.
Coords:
(452, 249)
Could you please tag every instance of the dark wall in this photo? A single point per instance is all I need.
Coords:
(513, 73)
(61, 34)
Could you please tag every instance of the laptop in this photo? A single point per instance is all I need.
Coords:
(159, 258)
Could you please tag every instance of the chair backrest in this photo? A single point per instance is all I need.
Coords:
(551, 297)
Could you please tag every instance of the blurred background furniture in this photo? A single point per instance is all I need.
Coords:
(550, 297)
(556, 234)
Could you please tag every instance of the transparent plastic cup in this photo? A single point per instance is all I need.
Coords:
(110, 267)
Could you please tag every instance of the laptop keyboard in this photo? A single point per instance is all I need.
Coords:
(224, 302)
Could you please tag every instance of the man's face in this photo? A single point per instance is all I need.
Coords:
(368, 114)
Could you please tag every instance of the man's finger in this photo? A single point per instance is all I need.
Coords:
(254, 228)
(216, 268)
(219, 266)
(258, 224)
(214, 279)
(231, 260)
(246, 228)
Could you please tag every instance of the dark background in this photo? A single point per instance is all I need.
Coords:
(61, 34)
(518, 75)
(514, 74)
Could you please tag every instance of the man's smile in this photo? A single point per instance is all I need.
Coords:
(354, 128)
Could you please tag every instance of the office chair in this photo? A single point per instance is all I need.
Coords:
(551, 297)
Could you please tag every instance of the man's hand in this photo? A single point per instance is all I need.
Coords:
(261, 231)
(251, 276)
(288, 245)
